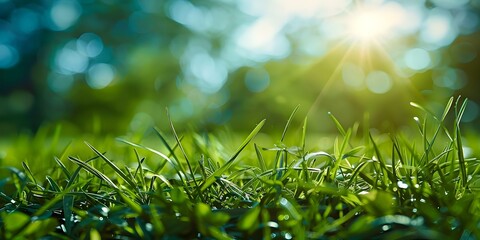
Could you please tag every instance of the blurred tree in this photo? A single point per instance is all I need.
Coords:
(224, 62)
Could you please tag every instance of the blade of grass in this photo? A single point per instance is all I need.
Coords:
(461, 157)
(68, 201)
(169, 148)
(139, 169)
(62, 166)
(77, 172)
(304, 134)
(93, 171)
(382, 162)
(289, 121)
(437, 130)
(337, 124)
(178, 168)
(212, 178)
(357, 170)
(53, 184)
(184, 156)
(29, 172)
(261, 161)
(120, 173)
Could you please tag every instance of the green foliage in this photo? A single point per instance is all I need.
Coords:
(366, 186)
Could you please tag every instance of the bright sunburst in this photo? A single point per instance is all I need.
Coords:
(373, 22)
(367, 25)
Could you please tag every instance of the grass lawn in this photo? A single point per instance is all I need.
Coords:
(420, 184)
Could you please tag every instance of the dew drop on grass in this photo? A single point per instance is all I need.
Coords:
(149, 227)
(63, 228)
(272, 224)
(105, 209)
(288, 235)
(385, 228)
(402, 185)
(414, 210)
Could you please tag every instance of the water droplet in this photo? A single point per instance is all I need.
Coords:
(386, 228)
(105, 209)
(149, 227)
(402, 185)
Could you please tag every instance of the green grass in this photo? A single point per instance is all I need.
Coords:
(367, 185)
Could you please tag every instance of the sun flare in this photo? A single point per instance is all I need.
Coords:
(367, 23)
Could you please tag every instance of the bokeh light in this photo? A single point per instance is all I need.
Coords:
(90, 45)
(378, 82)
(417, 59)
(438, 30)
(100, 75)
(257, 80)
(68, 60)
(64, 14)
(8, 56)
(205, 57)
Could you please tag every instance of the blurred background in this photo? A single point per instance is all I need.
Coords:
(115, 66)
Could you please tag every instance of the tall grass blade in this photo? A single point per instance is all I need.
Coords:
(68, 201)
(447, 109)
(75, 174)
(178, 167)
(184, 155)
(461, 156)
(212, 178)
(289, 121)
(93, 171)
(382, 162)
(53, 184)
(29, 172)
(63, 167)
(261, 161)
(169, 148)
(120, 173)
(337, 124)
(304, 134)
(139, 169)
(423, 109)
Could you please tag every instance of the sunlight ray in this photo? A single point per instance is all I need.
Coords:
(328, 83)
